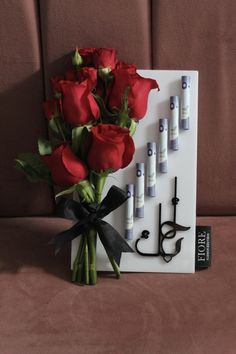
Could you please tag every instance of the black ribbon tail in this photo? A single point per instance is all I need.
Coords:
(112, 241)
(68, 235)
(114, 198)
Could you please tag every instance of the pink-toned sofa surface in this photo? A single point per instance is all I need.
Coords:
(40, 310)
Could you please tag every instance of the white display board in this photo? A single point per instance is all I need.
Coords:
(181, 163)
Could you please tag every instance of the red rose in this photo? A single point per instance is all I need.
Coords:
(82, 74)
(50, 109)
(111, 148)
(131, 68)
(138, 93)
(79, 106)
(71, 74)
(88, 73)
(55, 81)
(87, 55)
(105, 58)
(66, 169)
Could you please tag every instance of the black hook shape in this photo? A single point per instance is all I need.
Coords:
(145, 235)
(165, 235)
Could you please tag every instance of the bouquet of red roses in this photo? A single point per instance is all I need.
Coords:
(92, 117)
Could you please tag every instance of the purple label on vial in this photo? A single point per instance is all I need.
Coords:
(139, 190)
(174, 123)
(129, 216)
(163, 145)
(151, 169)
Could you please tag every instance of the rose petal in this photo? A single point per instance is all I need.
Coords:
(73, 164)
(129, 150)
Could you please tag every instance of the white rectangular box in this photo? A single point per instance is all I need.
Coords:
(181, 163)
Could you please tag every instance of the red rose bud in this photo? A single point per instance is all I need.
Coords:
(77, 59)
(111, 148)
(105, 59)
(50, 109)
(78, 104)
(87, 55)
(139, 88)
(66, 169)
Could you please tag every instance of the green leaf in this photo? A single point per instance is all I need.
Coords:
(79, 136)
(59, 129)
(31, 175)
(44, 146)
(84, 188)
(67, 191)
(104, 111)
(53, 126)
(86, 191)
(76, 138)
(33, 167)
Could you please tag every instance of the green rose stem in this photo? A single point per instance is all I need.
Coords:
(99, 185)
(76, 261)
(123, 119)
(114, 266)
(81, 261)
(92, 236)
(84, 266)
(86, 262)
(98, 196)
(123, 115)
(81, 267)
(92, 239)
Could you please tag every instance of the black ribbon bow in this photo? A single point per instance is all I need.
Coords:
(91, 215)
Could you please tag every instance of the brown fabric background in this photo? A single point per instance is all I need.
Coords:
(201, 35)
(41, 312)
(21, 94)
